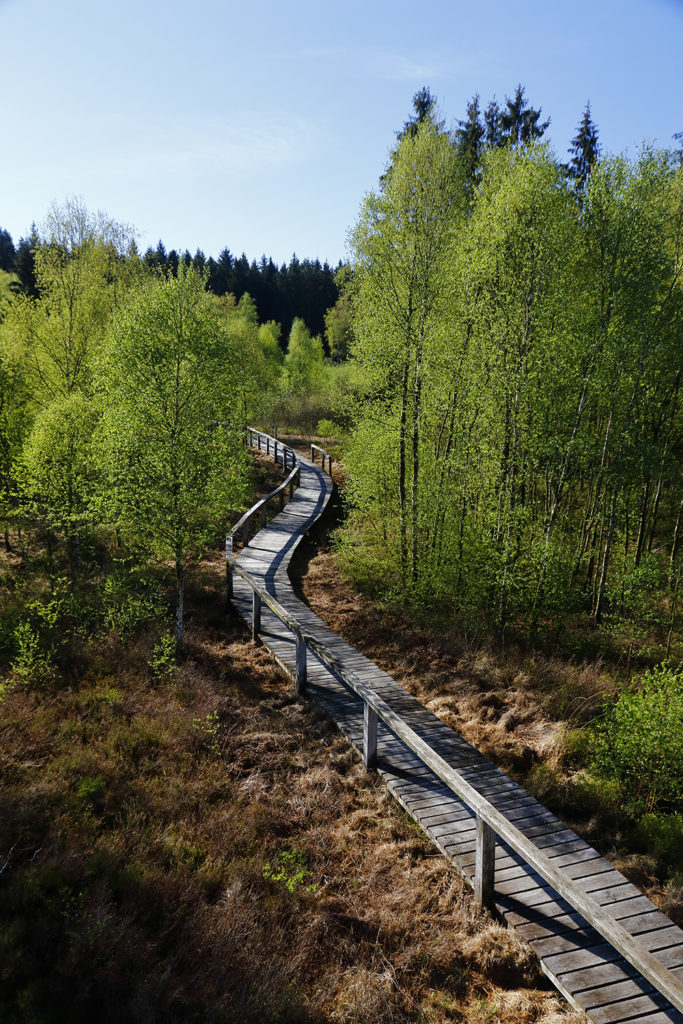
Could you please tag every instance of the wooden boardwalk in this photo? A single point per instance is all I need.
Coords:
(584, 967)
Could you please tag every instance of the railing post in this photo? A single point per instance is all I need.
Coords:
(245, 534)
(275, 453)
(263, 516)
(267, 445)
(369, 737)
(329, 464)
(282, 499)
(485, 864)
(312, 453)
(228, 568)
(256, 618)
(300, 676)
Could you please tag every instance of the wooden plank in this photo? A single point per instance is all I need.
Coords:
(629, 1009)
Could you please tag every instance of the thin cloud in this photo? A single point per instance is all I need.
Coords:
(389, 66)
(247, 144)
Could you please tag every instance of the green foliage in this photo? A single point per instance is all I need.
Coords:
(303, 368)
(515, 390)
(92, 789)
(662, 837)
(325, 428)
(58, 469)
(208, 727)
(81, 276)
(129, 600)
(41, 631)
(290, 871)
(638, 742)
(170, 441)
(163, 660)
(32, 663)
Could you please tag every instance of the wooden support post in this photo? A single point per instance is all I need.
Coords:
(329, 464)
(263, 516)
(256, 618)
(267, 445)
(245, 534)
(485, 863)
(312, 454)
(282, 499)
(228, 568)
(300, 677)
(275, 452)
(369, 737)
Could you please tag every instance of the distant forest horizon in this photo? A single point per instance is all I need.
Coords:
(301, 288)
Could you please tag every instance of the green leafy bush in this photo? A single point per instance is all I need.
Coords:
(32, 661)
(325, 428)
(638, 742)
(163, 660)
(290, 870)
(129, 601)
(662, 836)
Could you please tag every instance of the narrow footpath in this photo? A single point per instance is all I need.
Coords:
(591, 974)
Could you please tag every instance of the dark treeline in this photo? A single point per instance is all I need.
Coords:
(303, 288)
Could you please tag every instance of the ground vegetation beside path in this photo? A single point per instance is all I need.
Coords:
(185, 842)
(528, 710)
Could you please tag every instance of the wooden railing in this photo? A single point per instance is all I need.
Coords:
(491, 825)
(324, 457)
(281, 453)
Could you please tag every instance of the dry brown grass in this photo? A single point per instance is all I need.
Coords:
(136, 819)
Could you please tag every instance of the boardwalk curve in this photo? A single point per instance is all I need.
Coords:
(591, 972)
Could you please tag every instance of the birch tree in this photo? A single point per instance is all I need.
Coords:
(169, 386)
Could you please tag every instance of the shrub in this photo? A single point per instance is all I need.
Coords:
(638, 742)
(129, 601)
(290, 870)
(32, 662)
(662, 836)
(163, 660)
(325, 428)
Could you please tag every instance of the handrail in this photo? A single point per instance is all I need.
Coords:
(323, 455)
(490, 822)
(260, 506)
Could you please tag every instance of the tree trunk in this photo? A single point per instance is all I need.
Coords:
(414, 525)
(180, 581)
(597, 611)
(674, 543)
(403, 520)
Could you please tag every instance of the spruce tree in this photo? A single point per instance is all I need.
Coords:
(519, 123)
(423, 105)
(584, 151)
(492, 125)
(7, 253)
(470, 141)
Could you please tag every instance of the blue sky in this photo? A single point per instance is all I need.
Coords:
(260, 126)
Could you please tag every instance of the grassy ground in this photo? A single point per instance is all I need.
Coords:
(198, 844)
